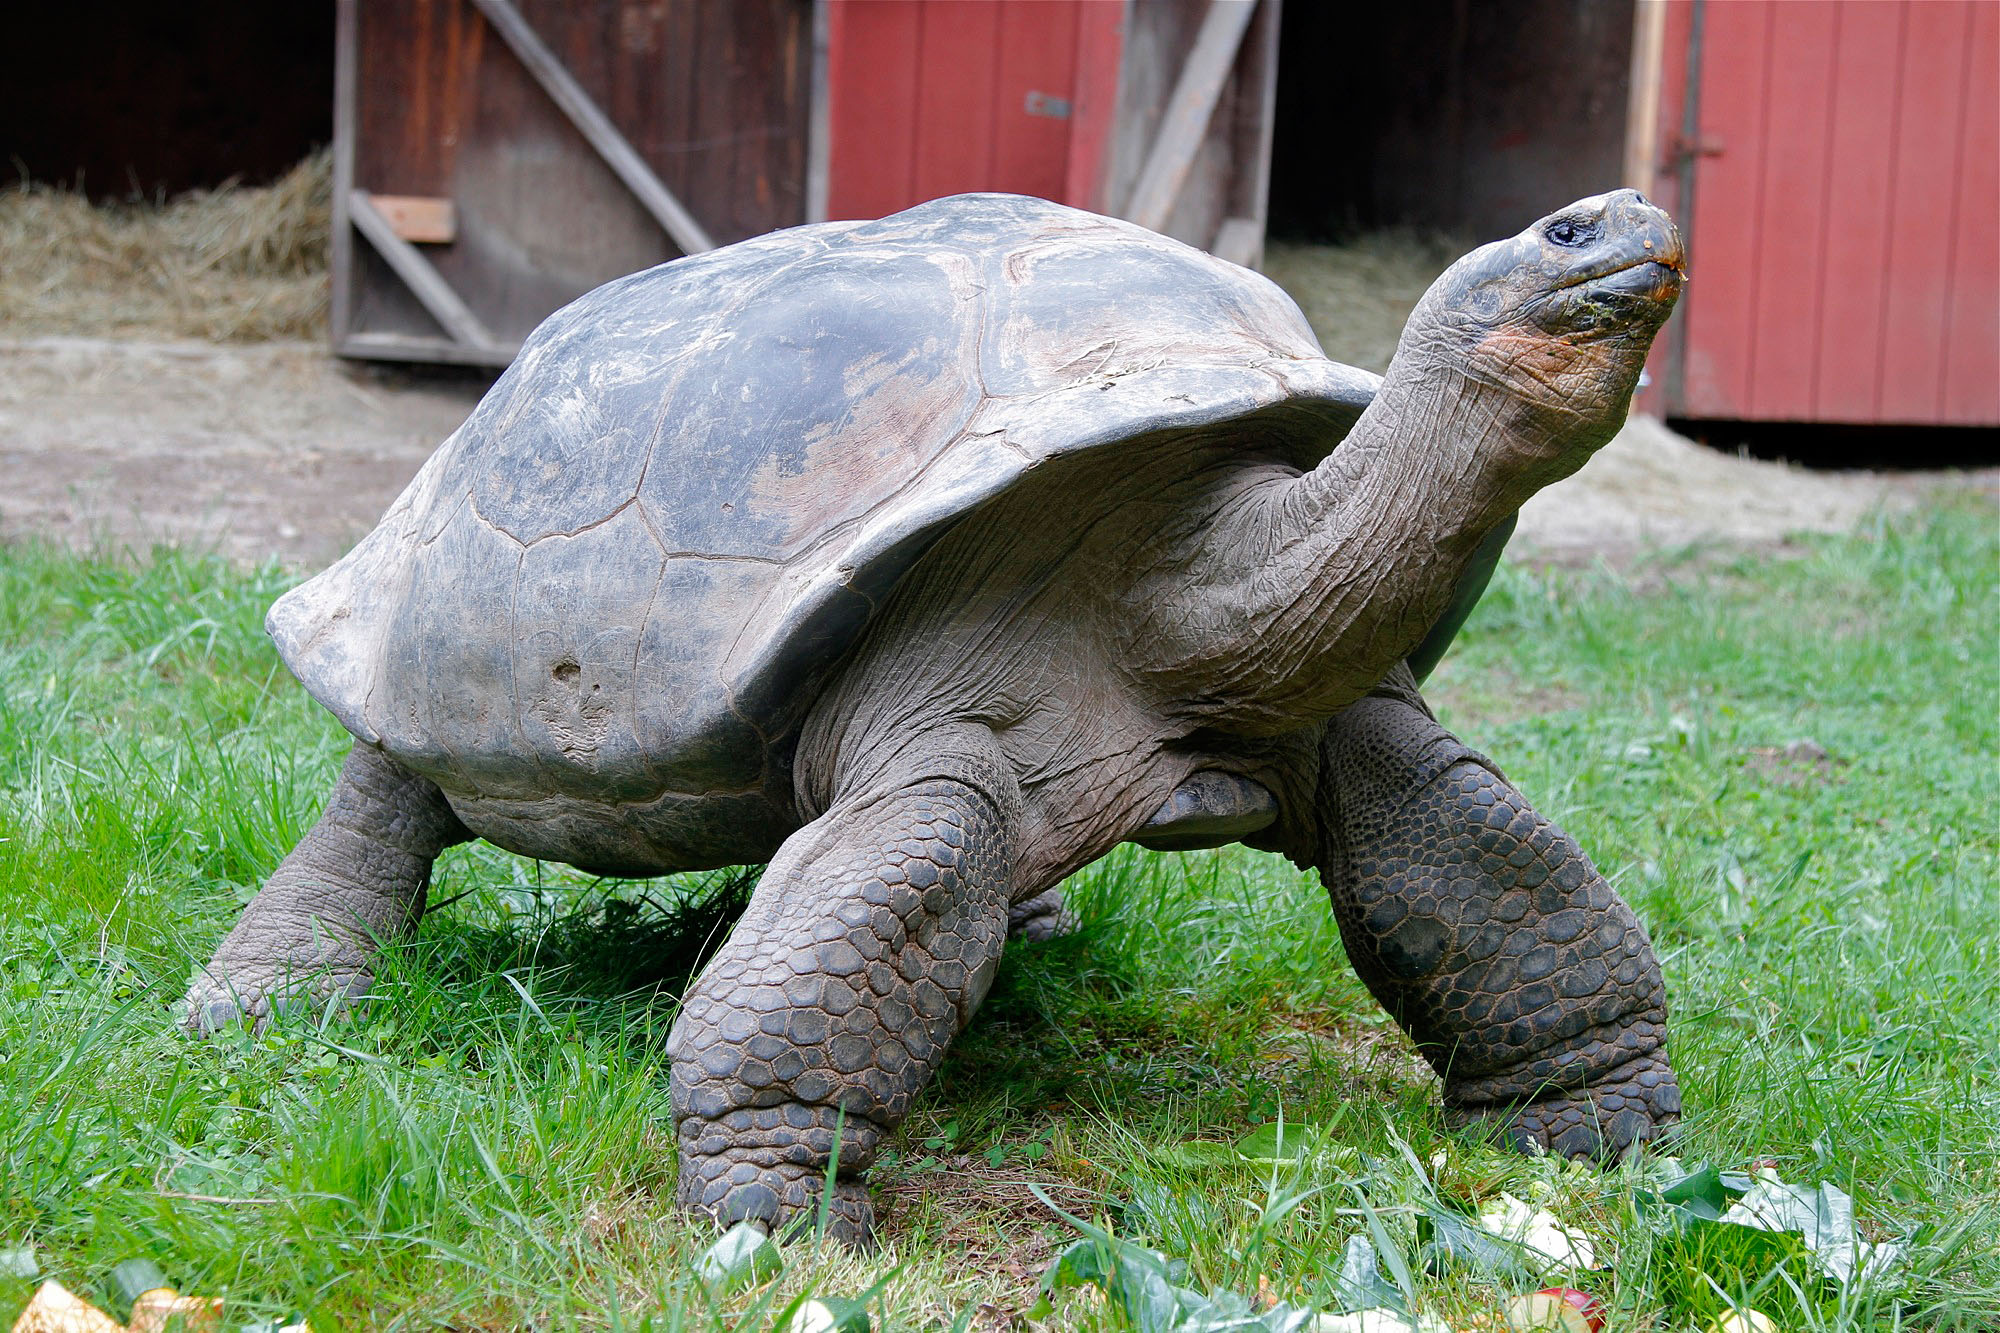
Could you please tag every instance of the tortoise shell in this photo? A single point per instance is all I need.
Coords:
(597, 616)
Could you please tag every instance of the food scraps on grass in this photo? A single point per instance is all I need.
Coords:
(1560, 1309)
(1537, 1231)
(56, 1309)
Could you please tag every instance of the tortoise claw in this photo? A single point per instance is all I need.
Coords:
(1604, 1122)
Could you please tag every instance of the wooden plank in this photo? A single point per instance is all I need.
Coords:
(424, 281)
(1917, 281)
(419, 219)
(1189, 109)
(770, 45)
(1970, 391)
(711, 112)
(1794, 212)
(955, 82)
(872, 103)
(417, 347)
(1720, 305)
(1852, 287)
(1100, 43)
(595, 127)
(1034, 98)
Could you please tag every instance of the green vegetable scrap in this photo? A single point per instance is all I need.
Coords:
(1735, 1234)
(1144, 1288)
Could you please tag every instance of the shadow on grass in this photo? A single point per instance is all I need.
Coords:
(618, 957)
(618, 947)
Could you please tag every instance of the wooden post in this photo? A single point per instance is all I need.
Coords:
(346, 62)
(1642, 109)
(819, 116)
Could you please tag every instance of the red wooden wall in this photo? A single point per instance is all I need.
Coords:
(1845, 236)
(927, 99)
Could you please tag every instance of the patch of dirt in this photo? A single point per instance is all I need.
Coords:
(1651, 487)
(264, 450)
(1799, 763)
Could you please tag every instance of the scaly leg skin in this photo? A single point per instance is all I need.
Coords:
(867, 945)
(355, 882)
(1487, 933)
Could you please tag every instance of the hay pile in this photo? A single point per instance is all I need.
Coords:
(1358, 295)
(233, 264)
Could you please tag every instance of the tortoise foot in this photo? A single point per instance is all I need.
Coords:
(1605, 1121)
(245, 996)
(775, 1176)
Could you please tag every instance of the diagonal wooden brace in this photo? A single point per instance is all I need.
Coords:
(418, 274)
(596, 127)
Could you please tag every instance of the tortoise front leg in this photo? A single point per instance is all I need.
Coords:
(355, 882)
(867, 945)
(1487, 933)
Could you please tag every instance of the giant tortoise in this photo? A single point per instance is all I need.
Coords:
(928, 559)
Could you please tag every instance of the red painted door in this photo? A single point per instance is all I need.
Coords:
(935, 97)
(1844, 233)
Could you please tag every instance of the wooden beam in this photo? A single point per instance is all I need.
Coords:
(1189, 111)
(596, 127)
(1256, 117)
(424, 281)
(1642, 107)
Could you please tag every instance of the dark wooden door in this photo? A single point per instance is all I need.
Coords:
(474, 200)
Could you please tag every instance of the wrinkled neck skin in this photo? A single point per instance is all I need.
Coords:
(1311, 587)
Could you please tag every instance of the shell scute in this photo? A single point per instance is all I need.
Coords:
(821, 403)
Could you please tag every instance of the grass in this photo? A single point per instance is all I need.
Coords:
(488, 1146)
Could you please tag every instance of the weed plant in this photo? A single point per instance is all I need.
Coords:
(1785, 761)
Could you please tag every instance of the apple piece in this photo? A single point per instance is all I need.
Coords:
(1745, 1320)
(1557, 1309)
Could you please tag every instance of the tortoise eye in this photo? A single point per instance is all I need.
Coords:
(1568, 232)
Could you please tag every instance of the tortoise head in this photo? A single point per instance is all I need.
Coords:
(1561, 315)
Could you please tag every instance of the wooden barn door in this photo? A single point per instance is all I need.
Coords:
(927, 99)
(495, 159)
(1156, 110)
(1837, 167)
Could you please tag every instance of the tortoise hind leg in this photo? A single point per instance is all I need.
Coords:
(1042, 917)
(870, 940)
(1487, 933)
